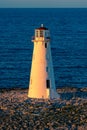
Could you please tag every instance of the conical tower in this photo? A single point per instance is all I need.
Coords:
(42, 83)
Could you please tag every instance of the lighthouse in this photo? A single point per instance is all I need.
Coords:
(42, 82)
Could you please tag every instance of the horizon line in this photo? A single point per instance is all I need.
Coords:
(42, 7)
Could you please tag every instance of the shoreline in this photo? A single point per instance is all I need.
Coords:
(58, 88)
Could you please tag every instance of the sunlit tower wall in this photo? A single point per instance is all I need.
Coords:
(42, 83)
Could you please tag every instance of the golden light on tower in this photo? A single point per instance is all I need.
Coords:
(42, 83)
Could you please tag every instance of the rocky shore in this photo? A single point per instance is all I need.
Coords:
(18, 112)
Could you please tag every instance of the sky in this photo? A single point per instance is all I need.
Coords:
(42, 3)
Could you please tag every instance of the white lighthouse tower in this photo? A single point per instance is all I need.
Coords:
(42, 83)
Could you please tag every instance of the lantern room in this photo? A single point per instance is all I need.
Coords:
(42, 32)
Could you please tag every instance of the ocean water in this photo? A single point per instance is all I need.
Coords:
(68, 28)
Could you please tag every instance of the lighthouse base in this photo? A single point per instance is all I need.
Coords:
(50, 94)
(54, 94)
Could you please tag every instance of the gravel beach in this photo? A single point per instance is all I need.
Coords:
(18, 112)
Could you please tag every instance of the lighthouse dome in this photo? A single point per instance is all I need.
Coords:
(42, 28)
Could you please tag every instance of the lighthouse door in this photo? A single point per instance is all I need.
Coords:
(48, 83)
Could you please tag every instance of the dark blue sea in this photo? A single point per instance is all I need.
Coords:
(68, 29)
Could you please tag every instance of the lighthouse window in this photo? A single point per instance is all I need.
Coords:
(48, 83)
(36, 33)
(41, 33)
(45, 45)
(46, 69)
